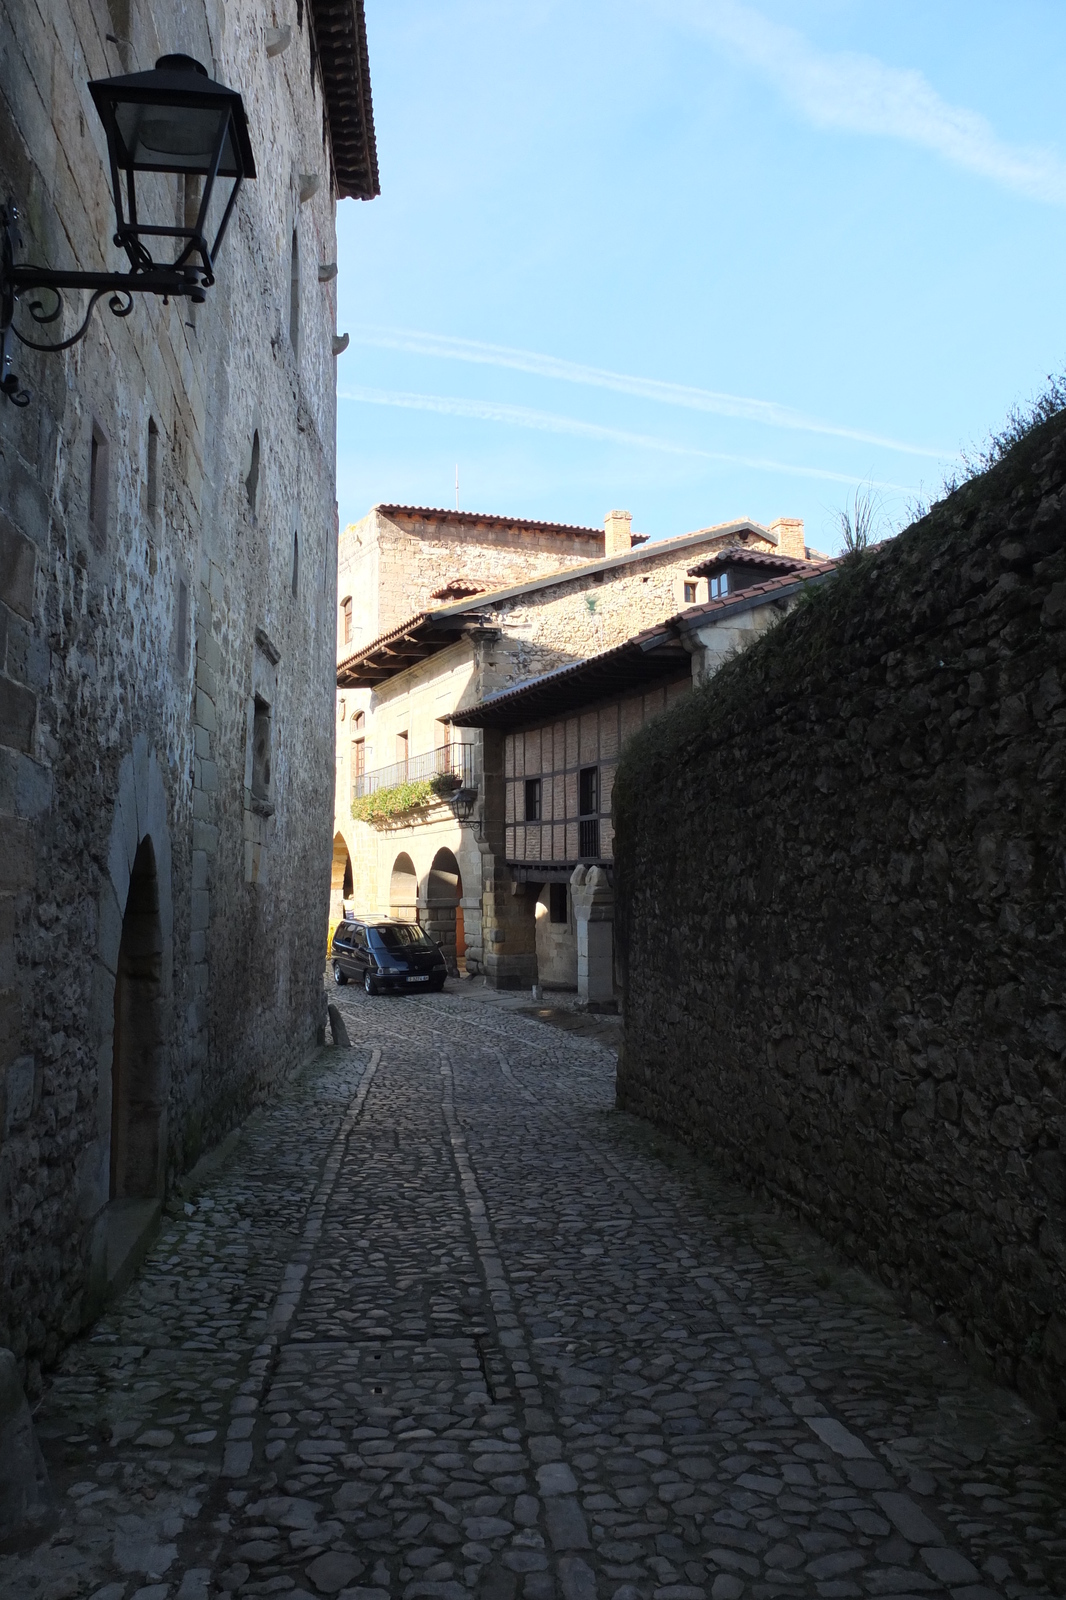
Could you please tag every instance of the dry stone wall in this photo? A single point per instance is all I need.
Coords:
(841, 870)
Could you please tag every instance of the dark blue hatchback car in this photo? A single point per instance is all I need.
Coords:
(386, 956)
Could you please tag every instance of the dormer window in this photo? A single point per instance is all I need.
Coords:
(719, 586)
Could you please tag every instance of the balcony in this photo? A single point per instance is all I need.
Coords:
(459, 761)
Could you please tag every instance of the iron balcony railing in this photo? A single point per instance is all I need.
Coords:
(461, 761)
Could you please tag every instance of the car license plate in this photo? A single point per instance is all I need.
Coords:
(419, 980)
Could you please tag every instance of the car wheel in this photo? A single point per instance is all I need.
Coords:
(338, 975)
(368, 984)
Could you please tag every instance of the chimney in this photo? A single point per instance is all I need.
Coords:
(790, 537)
(617, 538)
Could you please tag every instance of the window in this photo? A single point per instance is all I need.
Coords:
(557, 907)
(181, 626)
(98, 475)
(295, 564)
(589, 802)
(690, 593)
(153, 472)
(346, 620)
(294, 293)
(261, 753)
(589, 838)
(358, 722)
(358, 757)
(719, 585)
(251, 482)
(532, 799)
(401, 748)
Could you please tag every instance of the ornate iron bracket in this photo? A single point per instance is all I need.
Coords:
(18, 280)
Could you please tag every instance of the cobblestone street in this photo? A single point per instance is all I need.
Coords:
(440, 1322)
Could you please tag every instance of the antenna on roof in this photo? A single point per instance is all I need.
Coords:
(457, 486)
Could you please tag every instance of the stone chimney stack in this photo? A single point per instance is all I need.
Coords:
(617, 535)
(790, 536)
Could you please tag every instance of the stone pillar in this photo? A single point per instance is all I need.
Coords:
(593, 901)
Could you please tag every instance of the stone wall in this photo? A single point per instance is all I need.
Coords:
(392, 561)
(841, 876)
(569, 621)
(133, 647)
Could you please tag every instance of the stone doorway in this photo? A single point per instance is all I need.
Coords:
(444, 911)
(137, 1093)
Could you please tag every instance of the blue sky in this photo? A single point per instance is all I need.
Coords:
(698, 259)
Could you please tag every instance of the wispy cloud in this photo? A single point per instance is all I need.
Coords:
(857, 92)
(548, 422)
(765, 412)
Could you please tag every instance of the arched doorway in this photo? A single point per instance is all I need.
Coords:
(136, 1059)
(444, 911)
(341, 885)
(403, 889)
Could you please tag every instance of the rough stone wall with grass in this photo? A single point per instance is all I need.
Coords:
(840, 877)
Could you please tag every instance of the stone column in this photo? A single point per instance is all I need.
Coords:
(593, 901)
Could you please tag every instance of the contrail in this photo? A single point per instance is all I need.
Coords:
(862, 94)
(766, 412)
(548, 422)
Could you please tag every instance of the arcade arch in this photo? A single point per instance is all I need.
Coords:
(403, 889)
(443, 917)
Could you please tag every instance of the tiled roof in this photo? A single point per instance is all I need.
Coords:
(740, 555)
(755, 594)
(653, 654)
(645, 658)
(473, 518)
(429, 631)
(409, 642)
(340, 39)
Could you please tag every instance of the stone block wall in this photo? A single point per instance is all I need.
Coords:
(391, 561)
(579, 617)
(130, 646)
(841, 870)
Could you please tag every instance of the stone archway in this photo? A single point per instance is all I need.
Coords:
(341, 886)
(443, 909)
(123, 1171)
(137, 1077)
(403, 889)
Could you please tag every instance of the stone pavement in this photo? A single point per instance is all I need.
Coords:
(442, 1323)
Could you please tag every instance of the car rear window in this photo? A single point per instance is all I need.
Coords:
(403, 937)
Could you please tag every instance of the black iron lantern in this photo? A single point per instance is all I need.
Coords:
(173, 120)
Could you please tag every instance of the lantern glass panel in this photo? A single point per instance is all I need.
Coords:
(174, 138)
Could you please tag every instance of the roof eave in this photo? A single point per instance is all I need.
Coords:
(340, 40)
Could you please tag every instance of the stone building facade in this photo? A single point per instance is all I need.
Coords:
(563, 734)
(168, 586)
(410, 684)
(850, 991)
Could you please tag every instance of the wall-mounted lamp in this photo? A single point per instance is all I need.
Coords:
(174, 120)
(462, 803)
